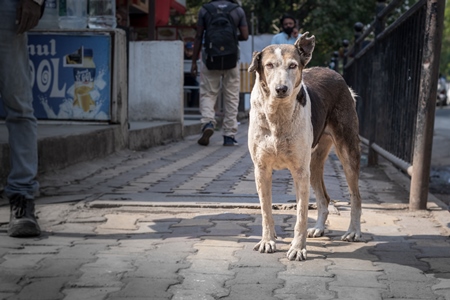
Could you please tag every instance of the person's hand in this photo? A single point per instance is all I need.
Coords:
(27, 16)
(194, 68)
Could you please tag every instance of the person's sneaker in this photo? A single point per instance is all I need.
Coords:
(207, 132)
(229, 141)
(22, 221)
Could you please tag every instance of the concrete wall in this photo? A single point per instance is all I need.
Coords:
(254, 43)
(156, 81)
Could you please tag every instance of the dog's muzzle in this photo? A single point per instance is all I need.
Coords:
(281, 90)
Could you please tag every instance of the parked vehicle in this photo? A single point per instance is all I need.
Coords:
(442, 98)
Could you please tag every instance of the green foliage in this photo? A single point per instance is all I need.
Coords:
(330, 21)
(445, 49)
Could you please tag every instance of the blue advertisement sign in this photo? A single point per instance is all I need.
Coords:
(71, 75)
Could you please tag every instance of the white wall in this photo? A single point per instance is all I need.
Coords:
(156, 81)
(254, 43)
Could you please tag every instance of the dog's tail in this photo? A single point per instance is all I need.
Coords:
(353, 93)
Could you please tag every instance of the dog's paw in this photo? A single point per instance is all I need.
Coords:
(296, 253)
(265, 246)
(315, 232)
(352, 236)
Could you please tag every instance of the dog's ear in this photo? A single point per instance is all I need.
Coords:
(305, 46)
(256, 60)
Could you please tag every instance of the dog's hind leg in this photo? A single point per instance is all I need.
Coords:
(349, 154)
(263, 180)
(318, 158)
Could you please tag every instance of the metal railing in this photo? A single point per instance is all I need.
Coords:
(247, 78)
(395, 76)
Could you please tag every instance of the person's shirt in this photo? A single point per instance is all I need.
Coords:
(237, 14)
(283, 38)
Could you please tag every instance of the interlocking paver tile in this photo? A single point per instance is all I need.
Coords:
(120, 222)
(184, 223)
(357, 293)
(306, 288)
(147, 288)
(94, 293)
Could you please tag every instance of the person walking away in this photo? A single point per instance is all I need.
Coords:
(19, 16)
(218, 24)
(289, 34)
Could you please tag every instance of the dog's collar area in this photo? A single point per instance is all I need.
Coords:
(301, 96)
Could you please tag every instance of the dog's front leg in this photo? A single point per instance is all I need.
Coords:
(263, 179)
(298, 245)
(353, 233)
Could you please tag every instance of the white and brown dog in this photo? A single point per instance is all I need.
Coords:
(296, 115)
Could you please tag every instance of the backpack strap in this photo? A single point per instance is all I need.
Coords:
(231, 7)
(212, 9)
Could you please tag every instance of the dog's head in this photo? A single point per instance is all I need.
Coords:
(280, 66)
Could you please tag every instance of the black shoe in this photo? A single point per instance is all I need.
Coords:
(22, 222)
(208, 130)
(229, 141)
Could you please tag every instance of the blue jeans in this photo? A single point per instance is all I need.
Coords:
(17, 97)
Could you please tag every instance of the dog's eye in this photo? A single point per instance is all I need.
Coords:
(293, 66)
(269, 66)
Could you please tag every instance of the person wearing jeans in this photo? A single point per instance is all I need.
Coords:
(17, 17)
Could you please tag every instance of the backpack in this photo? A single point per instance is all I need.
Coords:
(221, 41)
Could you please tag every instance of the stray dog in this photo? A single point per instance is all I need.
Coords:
(296, 115)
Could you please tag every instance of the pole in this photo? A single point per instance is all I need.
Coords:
(151, 20)
(379, 23)
(253, 31)
(377, 86)
(358, 31)
(427, 105)
(345, 44)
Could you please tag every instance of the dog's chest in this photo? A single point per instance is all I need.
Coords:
(279, 146)
(279, 141)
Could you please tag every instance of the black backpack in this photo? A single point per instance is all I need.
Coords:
(221, 41)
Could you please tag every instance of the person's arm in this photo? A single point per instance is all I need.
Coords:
(28, 15)
(242, 24)
(197, 48)
(243, 33)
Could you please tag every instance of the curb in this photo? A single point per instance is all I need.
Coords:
(439, 210)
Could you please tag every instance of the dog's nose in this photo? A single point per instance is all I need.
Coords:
(281, 89)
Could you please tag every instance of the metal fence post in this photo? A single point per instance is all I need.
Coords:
(377, 101)
(427, 105)
(358, 31)
(334, 63)
(380, 23)
(345, 44)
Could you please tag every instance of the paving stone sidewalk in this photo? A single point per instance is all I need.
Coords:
(180, 221)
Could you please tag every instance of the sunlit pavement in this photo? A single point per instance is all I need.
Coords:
(179, 221)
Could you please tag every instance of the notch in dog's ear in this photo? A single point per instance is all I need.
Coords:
(305, 46)
(256, 60)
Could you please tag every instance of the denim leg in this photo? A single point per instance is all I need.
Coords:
(16, 93)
